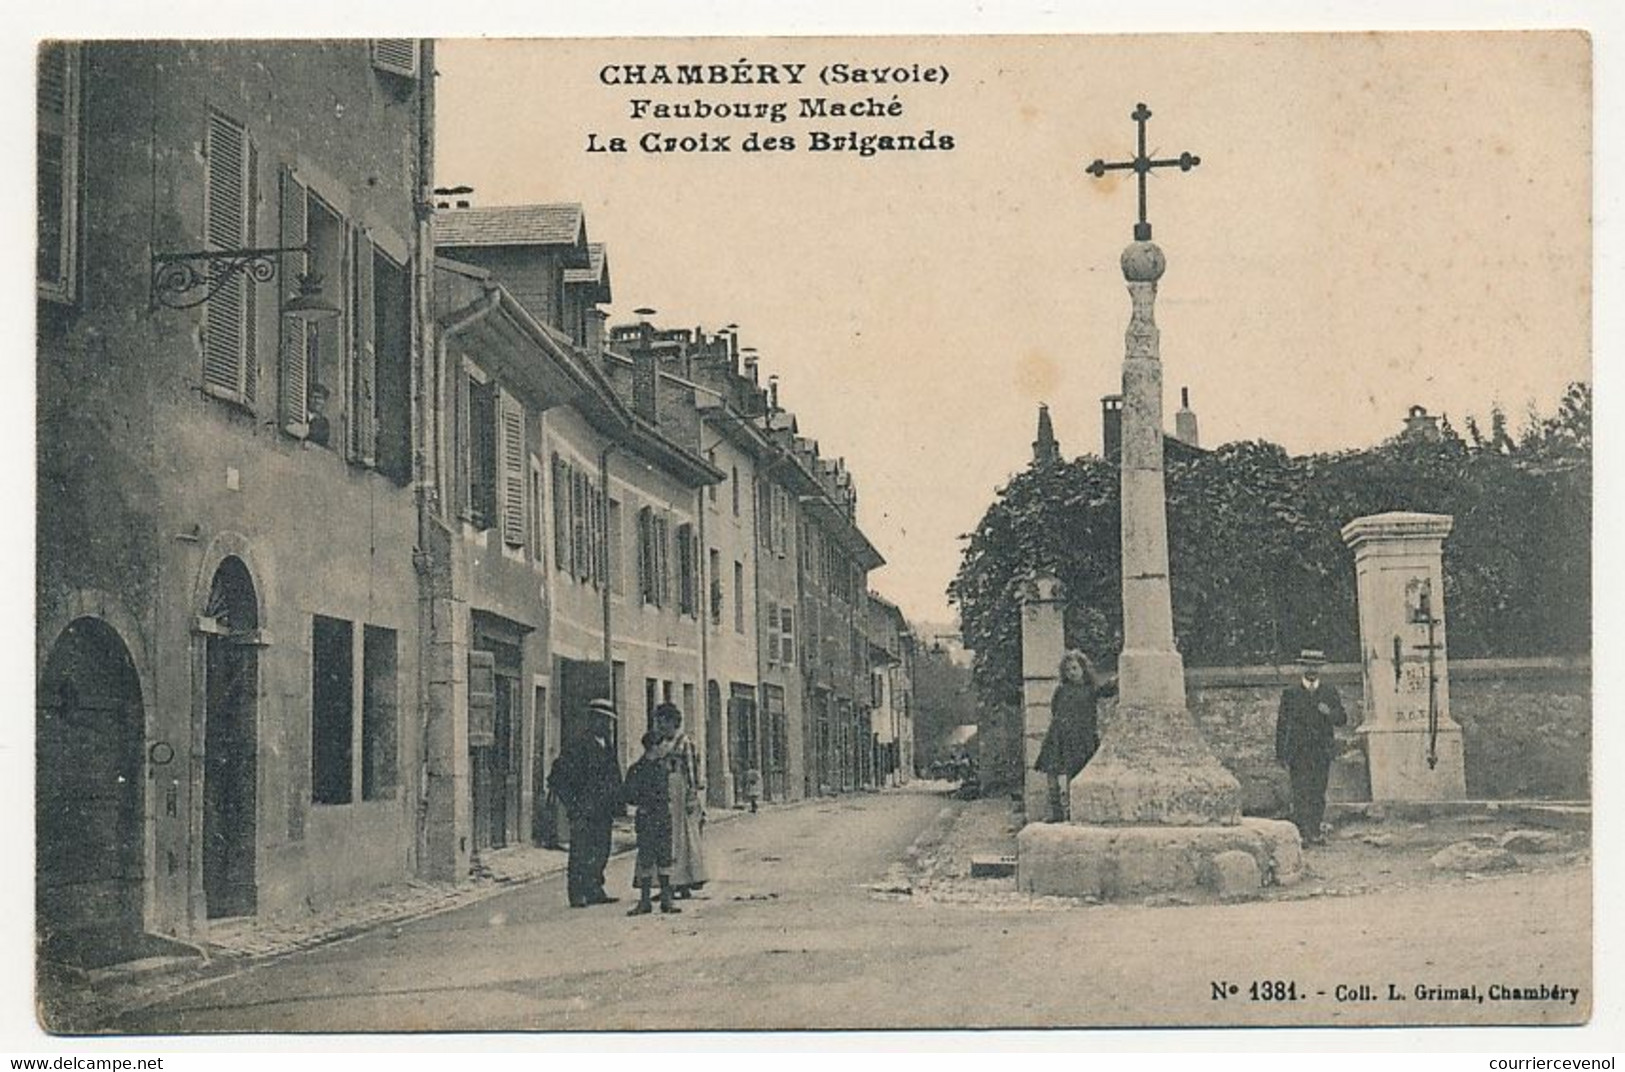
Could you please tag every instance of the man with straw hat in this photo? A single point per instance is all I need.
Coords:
(1305, 742)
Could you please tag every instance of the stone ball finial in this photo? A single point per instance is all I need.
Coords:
(1143, 262)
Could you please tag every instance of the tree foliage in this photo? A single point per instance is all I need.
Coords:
(1258, 565)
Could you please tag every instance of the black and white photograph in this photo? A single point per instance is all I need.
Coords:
(576, 534)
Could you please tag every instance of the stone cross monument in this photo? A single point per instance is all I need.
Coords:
(1154, 810)
(1413, 745)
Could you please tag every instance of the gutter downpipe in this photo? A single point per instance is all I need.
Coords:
(609, 580)
(484, 307)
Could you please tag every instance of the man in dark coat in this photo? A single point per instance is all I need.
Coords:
(1305, 742)
(586, 779)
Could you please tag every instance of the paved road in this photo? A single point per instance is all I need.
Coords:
(791, 936)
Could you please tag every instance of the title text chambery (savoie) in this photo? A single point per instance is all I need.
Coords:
(703, 117)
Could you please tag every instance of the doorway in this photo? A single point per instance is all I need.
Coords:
(230, 722)
(88, 785)
(746, 736)
(716, 743)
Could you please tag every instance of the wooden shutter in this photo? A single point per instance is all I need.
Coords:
(772, 633)
(789, 634)
(396, 55)
(512, 461)
(561, 529)
(465, 443)
(293, 375)
(663, 562)
(57, 164)
(225, 226)
(364, 378)
(646, 555)
(482, 699)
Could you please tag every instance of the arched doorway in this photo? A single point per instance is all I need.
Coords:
(89, 807)
(231, 694)
(716, 740)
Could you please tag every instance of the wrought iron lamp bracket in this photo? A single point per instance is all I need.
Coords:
(187, 280)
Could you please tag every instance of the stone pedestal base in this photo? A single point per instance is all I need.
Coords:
(1124, 862)
(1399, 766)
(1155, 769)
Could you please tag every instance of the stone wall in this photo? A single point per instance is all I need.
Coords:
(1526, 725)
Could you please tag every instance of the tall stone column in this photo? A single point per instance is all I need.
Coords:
(1153, 765)
(1399, 578)
(1043, 642)
(1154, 810)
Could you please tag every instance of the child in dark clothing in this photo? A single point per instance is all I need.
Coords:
(647, 790)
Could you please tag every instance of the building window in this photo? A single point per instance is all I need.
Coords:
(538, 542)
(229, 195)
(714, 561)
(733, 483)
(654, 557)
(739, 597)
(57, 172)
(787, 635)
(613, 539)
(688, 594)
(353, 371)
(380, 714)
(319, 363)
(480, 442)
(332, 710)
(392, 335)
(561, 515)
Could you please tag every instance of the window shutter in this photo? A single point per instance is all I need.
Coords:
(482, 699)
(364, 392)
(57, 109)
(772, 633)
(646, 588)
(789, 632)
(584, 567)
(538, 545)
(396, 55)
(465, 444)
(600, 505)
(225, 216)
(293, 378)
(512, 415)
(561, 530)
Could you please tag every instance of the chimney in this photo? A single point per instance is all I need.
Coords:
(750, 363)
(1185, 421)
(646, 371)
(773, 392)
(1045, 449)
(592, 324)
(453, 197)
(1111, 425)
(1421, 424)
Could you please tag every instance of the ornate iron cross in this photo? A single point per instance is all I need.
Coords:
(1141, 165)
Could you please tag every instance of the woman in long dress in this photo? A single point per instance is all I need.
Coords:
(688, 871)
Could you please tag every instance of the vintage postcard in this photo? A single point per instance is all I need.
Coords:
(692, 534)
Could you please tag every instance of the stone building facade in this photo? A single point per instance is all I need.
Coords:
(228, 612)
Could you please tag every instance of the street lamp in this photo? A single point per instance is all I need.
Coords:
(187, 280)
